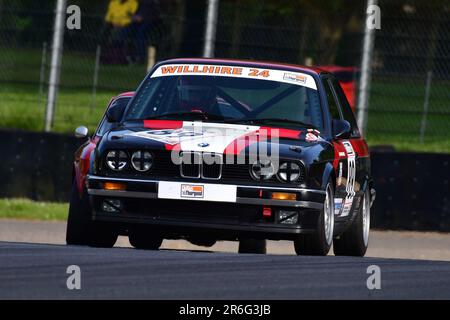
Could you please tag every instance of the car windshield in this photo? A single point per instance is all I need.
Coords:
(270, 97)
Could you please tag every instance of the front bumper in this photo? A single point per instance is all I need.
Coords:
(140, 204)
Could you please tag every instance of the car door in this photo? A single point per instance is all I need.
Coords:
(350, 153)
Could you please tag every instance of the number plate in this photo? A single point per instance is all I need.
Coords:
(196, 191)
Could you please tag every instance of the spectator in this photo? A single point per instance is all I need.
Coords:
(120, 12)
(118, 23)
(144, 21)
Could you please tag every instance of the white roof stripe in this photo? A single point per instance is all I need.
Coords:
(296, 78)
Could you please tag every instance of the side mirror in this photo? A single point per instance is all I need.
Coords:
(115, 112)
(81, 132)
(341, 129)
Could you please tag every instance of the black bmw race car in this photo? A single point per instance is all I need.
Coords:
(210, 150)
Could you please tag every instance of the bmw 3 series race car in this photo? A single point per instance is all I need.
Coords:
(209, 150)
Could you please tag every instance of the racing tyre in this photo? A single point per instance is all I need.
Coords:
(257, 246)
(319, 244)
(354, 241)
(81, 230)
(79, 220)
(102, 235)
(144, 239)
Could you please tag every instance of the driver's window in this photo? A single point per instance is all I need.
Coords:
(347, 113)
(332, 103)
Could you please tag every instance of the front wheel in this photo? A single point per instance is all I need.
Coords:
(355, 240)
(102, 235)
(319, 244)
(142, 238)
(81, 230)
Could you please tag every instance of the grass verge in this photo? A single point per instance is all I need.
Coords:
(32, 210)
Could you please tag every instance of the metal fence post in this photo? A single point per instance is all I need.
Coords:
(55, 67)
(42, 73)
(426, 102)
(151, 59)
(211, 26)
(98, 52)
(364, 83)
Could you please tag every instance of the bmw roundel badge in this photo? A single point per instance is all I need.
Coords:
(203, 144)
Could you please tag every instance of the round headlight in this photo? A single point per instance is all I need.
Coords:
(142, 160)
(262, 170)
(290, 171)
(116, 160)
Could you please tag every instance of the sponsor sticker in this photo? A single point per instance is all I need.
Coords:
(312, 135)
(294, 77)
(339, 179)
(196, 192)
(192, 191)
(168, 136)
(351, 178)
(199, 136)
(297, 78)
(337, 206)
(347, 206)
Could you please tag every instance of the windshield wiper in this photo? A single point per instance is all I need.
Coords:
(203, 115)
(264, 120)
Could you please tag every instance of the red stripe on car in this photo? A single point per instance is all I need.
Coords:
(264, 133)
(280, 132)
(360, 147)
(241, 143)
(163, 124)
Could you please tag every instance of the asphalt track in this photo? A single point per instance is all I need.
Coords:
(38, 271)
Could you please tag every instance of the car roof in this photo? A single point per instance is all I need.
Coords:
(125, 94)
(249, 63)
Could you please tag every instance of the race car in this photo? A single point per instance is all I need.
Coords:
(208, 150)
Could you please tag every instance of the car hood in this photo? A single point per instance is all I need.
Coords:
(221, 138)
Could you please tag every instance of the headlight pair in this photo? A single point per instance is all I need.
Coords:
(140, 160)
(287, 171)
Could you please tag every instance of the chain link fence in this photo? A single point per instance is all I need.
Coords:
(299, 32)
(410, 92)
(409, 102)
(99, 61)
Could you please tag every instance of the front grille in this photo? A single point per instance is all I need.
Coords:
(163, 165)
(237, 172)
(190, 170)
(212, 171)
(241, 173)
(190, 164)
(212, 166)
(198, 167)
(302, 176)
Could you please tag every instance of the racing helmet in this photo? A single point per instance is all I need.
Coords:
(195, 94)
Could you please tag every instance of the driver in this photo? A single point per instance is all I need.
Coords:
(195, 95)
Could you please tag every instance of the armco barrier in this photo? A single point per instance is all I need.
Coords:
(413, 191)
(36, 165)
